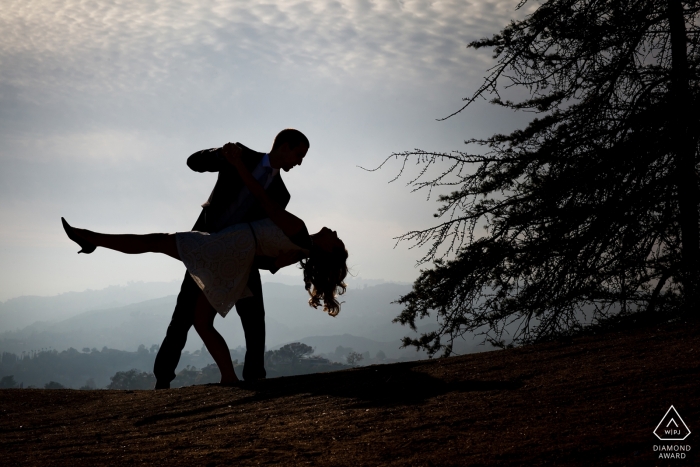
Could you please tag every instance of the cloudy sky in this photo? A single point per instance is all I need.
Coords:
(101, 102)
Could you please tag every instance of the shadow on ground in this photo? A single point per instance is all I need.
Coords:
(375, 386)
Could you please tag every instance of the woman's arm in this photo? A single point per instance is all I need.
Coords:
(289, 223)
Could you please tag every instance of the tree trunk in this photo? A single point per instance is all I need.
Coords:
(682, 120)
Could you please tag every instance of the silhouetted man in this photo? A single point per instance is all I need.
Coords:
(230, 203)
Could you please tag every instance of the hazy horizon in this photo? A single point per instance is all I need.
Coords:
(279, 278)
(125, 317)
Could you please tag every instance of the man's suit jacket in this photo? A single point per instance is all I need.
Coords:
(227, 189)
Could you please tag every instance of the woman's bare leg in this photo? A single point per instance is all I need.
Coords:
(133, 244)
(216, 345)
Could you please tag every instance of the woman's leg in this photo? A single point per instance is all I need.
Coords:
(216, 345)
(133, 244)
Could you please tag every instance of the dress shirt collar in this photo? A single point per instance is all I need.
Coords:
(265, 163)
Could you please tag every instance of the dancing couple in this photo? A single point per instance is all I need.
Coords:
(243, 227)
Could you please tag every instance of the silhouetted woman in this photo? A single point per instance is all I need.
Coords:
(221, 262)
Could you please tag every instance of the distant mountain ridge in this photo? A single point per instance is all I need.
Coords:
(20, 312)
(367, 313)
(364, 325)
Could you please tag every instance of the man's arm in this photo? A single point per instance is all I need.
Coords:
(207, 160)
(213, 160)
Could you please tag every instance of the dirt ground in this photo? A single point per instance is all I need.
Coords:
(592, 401)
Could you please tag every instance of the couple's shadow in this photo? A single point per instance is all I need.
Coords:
(379, 385)
(397, 384)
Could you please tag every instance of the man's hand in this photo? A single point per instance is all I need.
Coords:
(233, 154)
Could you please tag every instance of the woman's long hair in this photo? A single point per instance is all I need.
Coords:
(324, 273)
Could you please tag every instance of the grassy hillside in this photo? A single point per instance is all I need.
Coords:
(592, 401)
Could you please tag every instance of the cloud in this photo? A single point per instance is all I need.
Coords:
(106, 45)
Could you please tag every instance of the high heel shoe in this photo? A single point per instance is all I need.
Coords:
(86, 246)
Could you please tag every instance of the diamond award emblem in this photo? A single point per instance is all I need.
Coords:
(672, 427)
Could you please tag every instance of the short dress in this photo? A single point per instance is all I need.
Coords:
(220, 262)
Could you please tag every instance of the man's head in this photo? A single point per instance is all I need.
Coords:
(288, 150)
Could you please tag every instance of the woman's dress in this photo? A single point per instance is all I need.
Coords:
(220, 262)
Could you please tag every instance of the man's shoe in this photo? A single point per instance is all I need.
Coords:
(160, 385)
(252, 383)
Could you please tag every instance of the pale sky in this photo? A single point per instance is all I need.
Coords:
(102, 101)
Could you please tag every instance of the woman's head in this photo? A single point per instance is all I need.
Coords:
(325, 270)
